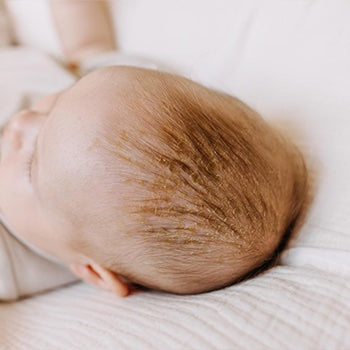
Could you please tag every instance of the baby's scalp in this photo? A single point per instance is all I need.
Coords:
(208, 187)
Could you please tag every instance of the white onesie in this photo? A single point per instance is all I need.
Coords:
(25, 76)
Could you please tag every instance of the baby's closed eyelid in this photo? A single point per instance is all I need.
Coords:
(34, 165)
(30, 163)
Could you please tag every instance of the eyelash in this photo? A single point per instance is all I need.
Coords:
(29, 165)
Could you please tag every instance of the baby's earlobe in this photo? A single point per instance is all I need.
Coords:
(101, 277)
(111, 281)
(86, 273)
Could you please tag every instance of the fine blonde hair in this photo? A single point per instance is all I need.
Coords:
(212, 189)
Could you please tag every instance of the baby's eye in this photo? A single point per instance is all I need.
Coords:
(29, 166)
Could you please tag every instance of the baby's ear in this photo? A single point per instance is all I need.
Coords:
(99, 276)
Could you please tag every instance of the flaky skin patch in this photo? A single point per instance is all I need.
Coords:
(209, 183)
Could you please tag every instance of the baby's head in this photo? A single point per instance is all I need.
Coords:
(143, 177)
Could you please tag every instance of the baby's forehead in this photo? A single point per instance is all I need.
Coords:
(72, 160)
(113, 78)
(84, 109)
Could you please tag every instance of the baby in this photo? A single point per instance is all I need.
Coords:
(136, 177)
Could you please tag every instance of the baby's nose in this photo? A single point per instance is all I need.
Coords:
(22, 120)
(18, 125)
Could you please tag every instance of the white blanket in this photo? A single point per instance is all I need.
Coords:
(290, 61)
(287, 308)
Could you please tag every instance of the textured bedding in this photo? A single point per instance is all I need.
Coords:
(288, 308)
(290, 61)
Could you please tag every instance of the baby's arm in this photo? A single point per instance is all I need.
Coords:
(84, 28)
